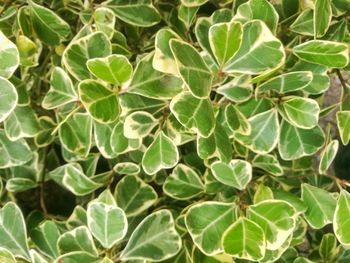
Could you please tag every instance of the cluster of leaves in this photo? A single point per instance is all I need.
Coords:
(175, 131)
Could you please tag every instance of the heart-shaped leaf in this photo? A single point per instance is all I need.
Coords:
(139, 124)
(9, 98)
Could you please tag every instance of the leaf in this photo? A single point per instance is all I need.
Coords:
(138, 12)
(287, 82)
(9, 57)
(192, 68)
(100, 102)
(328, 155)
(139, 124)
(268, 163)
(134, 196)
(262, 193)
(115, 69)
(321, 206)
(61, 91)
(193, 2)
(244, 239)
(263, 137)
(188, 110)
(103, 133)
(77, 256)
(300, 112)
(206, 222)
(120, 144)
(105, 20)
(79, 51)
(187, 14)
(48, 26)
(290, 198)
(13, 233)
(257, 42)
(107, 223)
(343, 122)
(341, 221)
(236, 121)
(8, 97)
(238, 90)
(148, 82)
(127, 168)
(6, 256)
(327, 53)
(183, 183)
(154, 239)
(45, 237)
(322, 17)
(36, 257)
(328, 247)
(161, 154)
(237, 173)
(276, 218)
(225, 39)
(295, 143)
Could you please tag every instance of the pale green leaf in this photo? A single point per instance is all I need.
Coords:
(304, 24)
(78, 256)
(268, 163)
(343, 122)
(45, 237)
(322, 17)
(9, 57)
(121, 144)
(102, 134)
(238, 90)
(193, 2)
(105, 20)
(139, 124)
(36, 257)
(6, 256)
(236, 121)
(328, 247)
(126, 168)
(327, 156)
(8, 97)
(341, 221)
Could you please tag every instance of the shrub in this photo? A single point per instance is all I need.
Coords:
(174, 131)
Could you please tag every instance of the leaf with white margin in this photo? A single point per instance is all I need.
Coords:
(126, 168)
(295, 143)
(192, 3)
(327, 156)
(36, 257)
(274, 255)
(328, 247)
(268, 163)
(237, 173)
(9, 57)
(8, 98)
(300, 112)
(161, 154)
(259, 53)
(238, 90)
(207, 221)
(321, 206)
(61, 90)
(79, 51)
(6, 256)
(322, 17)
(192, 68)
(262, 193)
(78, 256)
(193, 113)
(139, 124)
(264, 133)
(13, 233)
(102, 134)
(100, 102)
(187, 14)
(183, 183)
(303, 25)
(343, 123)
(72, 177)
(115, 69)
(107, 223)
(225, 39)
(287, 82)
(13, 153)
(236, 121)
(341, 222)
(328, 53)
(120, 144)
(154, 239)
(134, 196)
(105, 20)
(291, 198)
(244, 239)
(277, 218)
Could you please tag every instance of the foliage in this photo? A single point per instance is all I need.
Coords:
(173, 131)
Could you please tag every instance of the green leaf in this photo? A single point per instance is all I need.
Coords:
(79, 51)
(257, 42)
(341, 221)
(138, 12)
(161, 154)
(105, 20)
(287, 82)
(134, 196)
(295, 143)
(262, 193)
(107, 223)
(6, 256)
(244, 239)
(154, 239)
(13, 233)
(304, 24)
(327, 156)
(139, 124)
(78, 256)
(115, 69)
(100, 102)
(188, 110)
(236, 121)
(328, 247)
(321, 206)
(193, 2)
(277, 219)
(102, 134)
(225, 39)
(237, 173)
(322, 17)
(207, 221)
(151, 83)
(127, 168)
(9, 57)
(183, 183)
(268, 163)
(327, 53)
(9, 98)
(300, 112)
(187, 14)
(263, 137)
(192, 68)
(45, 237)
(120, 144)
(289, 197)
(36, 257)
(48, 26)
(238, 90)
(343, 122)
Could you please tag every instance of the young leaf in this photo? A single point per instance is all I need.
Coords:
(328, 155)
(341, 221)
(343, 122)
(322, 17)
(9, 57)
(9, 98)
